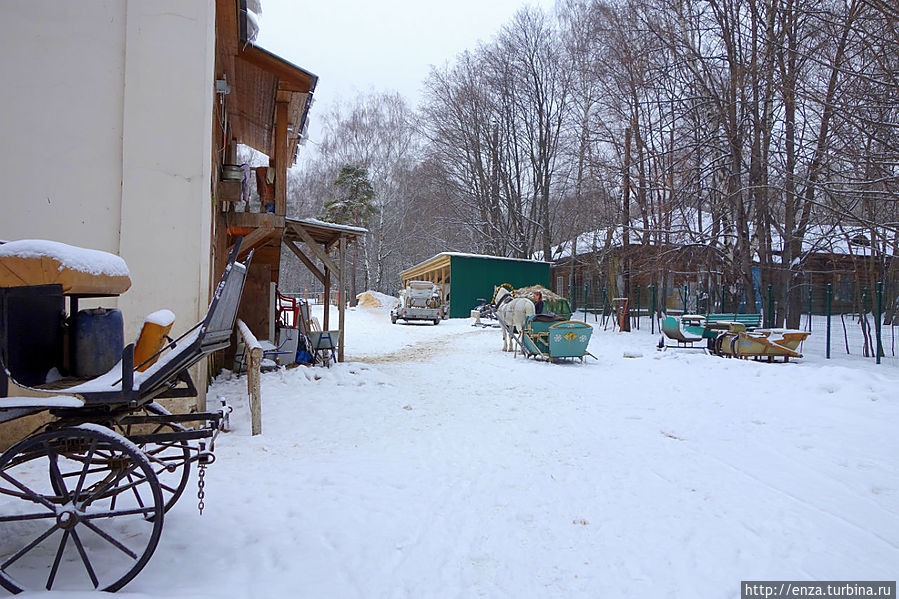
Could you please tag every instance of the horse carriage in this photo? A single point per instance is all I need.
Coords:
(83, 496)
(548, 336)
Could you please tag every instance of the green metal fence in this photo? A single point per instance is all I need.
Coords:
(853, 321)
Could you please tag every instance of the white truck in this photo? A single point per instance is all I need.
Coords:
(420, 300)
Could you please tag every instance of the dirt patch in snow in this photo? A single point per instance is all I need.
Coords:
(423, 351)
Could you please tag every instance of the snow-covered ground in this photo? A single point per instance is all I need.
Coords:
(432, 464)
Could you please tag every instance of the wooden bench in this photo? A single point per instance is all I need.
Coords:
(709, 326)
(671, 329)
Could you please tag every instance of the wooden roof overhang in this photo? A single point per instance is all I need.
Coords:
(265, 107)
(258, 80)
(421, 270)
(320, 237)
(262, 79)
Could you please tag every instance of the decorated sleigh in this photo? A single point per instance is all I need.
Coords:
(550, 339)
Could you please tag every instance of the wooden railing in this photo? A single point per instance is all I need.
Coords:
(254, 365)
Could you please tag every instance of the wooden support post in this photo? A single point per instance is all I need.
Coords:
(314, 247)
(256, 238)
(327, 300)
(342, 286)
(305, 260)
(281, 158)
(254, 365)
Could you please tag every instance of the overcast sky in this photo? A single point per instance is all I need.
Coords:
(362, 45)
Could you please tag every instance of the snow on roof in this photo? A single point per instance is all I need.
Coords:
(837, 239)
(467, 255)
(94, 262)
(684, 230)
(321, 223)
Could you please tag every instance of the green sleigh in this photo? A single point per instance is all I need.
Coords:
(549, 339)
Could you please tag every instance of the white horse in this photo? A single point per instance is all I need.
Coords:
(513, 312)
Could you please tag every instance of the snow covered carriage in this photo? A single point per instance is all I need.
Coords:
(82, 497)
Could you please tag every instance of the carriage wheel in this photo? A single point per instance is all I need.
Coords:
(80, 509)
(170, 459)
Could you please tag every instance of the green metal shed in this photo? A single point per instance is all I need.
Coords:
(465, 278)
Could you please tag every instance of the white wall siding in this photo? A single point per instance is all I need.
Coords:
(62, 76)
(106, 120)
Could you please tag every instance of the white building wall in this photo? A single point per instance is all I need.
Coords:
(106, 120)
(62, 74)
(166, 157)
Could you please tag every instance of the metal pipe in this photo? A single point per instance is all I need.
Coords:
(585, 302)
(877, 322)
(827, 311)
(638, 307)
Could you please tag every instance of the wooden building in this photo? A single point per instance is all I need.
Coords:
(689, 273)
(466, 278)
(144, 144)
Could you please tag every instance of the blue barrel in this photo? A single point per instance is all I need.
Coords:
(99, 339)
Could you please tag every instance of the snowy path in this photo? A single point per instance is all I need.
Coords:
(443, 467)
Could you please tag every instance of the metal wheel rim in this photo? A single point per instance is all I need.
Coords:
(94, 527)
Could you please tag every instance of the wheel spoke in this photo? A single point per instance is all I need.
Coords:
(109, 539)
(111, 513)
(55, 475)
(102, 489)
(114, 490)
(20, 517)
(91, 471)
(31, 494)
(84, 559)
(53, 570)
(165, 487)
(29, 546)
(134, 490)
(87, 463)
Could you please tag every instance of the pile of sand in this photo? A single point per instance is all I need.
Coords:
(376, 300)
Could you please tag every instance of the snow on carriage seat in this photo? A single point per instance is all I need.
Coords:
(56, 401)
(162, 318)
(79, 270)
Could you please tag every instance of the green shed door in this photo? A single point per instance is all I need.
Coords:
(472, 278)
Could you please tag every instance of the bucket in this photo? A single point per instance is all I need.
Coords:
(99, 339)
(152, 338)
(287, 341)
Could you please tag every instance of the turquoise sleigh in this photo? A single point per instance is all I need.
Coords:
(552, 340)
